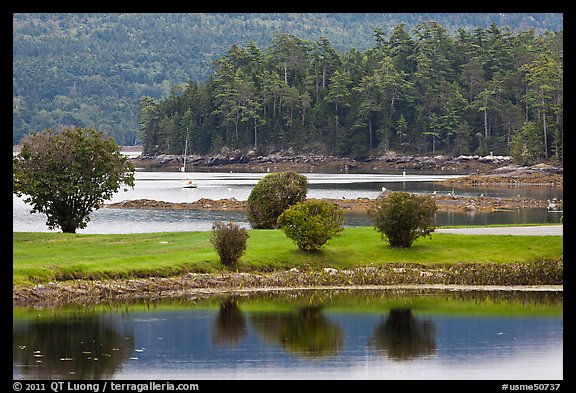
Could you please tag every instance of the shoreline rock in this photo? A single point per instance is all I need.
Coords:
(313, 162)
(359, 205)
(541, 275)
(513, 174)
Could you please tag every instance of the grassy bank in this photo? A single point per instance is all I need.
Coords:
(44, 257)
(363, 301)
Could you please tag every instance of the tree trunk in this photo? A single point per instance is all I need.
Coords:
(545, 128)
(486, 123)
(370, 131)
(255, 135)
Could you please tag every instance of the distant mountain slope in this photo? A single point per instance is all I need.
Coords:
(90, 70)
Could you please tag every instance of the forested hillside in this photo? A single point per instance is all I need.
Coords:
(91, 70)
(423, 91)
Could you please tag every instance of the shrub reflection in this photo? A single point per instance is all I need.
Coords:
(402, 336)
(306, 333)
(229, 327)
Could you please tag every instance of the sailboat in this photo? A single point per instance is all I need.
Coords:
(187, 182)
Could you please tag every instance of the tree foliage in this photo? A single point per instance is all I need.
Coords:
(310, 224)
(67, 174)
(402, 217)
(90, 70)
(428, 92)
(273, 194)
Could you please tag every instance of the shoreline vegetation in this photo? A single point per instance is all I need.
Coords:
(345, 263)
(56, 268)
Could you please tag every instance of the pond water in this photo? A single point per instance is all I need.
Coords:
(313, 334)
(165, 186)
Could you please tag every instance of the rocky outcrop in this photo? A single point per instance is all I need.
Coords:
(539, 174)
(280, 161)
(201, 204)
(358, 205)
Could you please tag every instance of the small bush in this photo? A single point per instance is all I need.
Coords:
(312, 223)
(402, 217)
(229, 240)
(273, 194)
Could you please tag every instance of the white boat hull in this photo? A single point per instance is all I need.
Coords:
(188, 184)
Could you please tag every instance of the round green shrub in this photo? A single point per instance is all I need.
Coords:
(312, 223)
(229, 240)
(273, 194)
(402, 217)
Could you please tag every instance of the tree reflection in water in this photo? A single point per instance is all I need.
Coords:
(403, 337)
(71, 347)
(306, 333)
(229, 327)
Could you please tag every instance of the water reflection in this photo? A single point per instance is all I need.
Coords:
(229, 326)
(299, 334)
(402, 336)
(78, 346)
(305, 333)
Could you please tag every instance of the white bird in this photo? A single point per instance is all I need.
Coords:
(383, 189)
(403, 173)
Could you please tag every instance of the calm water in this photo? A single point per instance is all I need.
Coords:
(352, 334)
(165, 186)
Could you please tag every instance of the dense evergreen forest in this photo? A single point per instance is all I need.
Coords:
(424, 91)
(91, 70)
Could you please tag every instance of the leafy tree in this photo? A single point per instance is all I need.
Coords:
(544, 78)
(68, 174)
(312, 223)
(273, 194)
(527, 145)
(402, 217)
(288, 52)
(368, 105)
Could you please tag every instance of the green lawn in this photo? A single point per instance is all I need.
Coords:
(44, 256)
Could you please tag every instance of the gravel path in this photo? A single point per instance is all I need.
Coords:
(541, 230)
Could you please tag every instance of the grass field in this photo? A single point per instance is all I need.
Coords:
(44, 256)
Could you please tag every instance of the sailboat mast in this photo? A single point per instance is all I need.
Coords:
(185, 154)
(185, 151)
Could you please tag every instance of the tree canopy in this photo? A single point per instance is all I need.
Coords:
(67, 174)
(424, 91)
(91, 69)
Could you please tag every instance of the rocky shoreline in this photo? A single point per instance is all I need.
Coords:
(359, 205)
(513, 174)
(541, 275)
(510, 174)
(237, 160)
